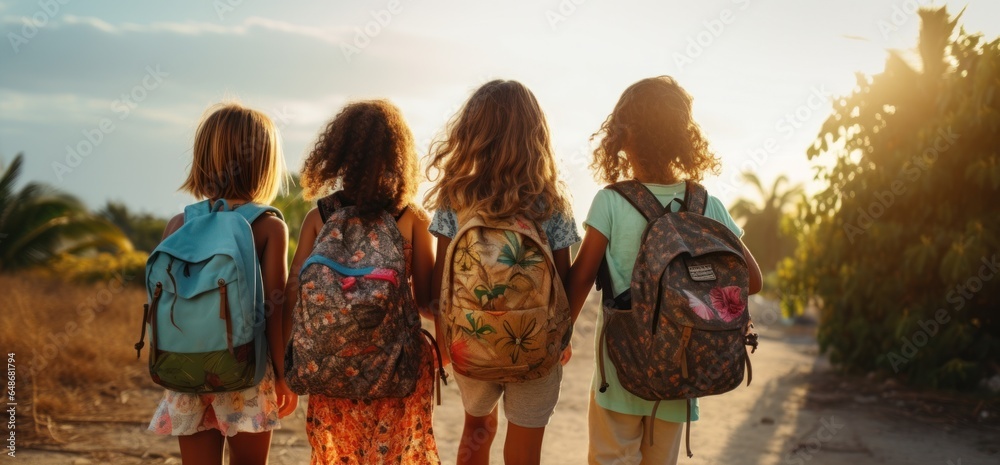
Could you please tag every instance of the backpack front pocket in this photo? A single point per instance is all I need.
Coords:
(503, 346)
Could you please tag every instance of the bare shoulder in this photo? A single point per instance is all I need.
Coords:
(313, 218)
(419, 215)
(270, 225)
(174, 224)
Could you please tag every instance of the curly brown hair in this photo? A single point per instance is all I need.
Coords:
(651, 135)
(368, 148)
(495, 157)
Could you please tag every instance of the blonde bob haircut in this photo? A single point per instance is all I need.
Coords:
(495, 157)
(237, 155)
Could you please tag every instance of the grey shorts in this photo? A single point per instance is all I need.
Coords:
(528, 404)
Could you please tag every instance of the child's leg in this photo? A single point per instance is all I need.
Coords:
(528, 407)
(202, 448)
(523, 445)
(615, 438)
(666, 442)
(479, 398)
(249, 448)
(477, 438)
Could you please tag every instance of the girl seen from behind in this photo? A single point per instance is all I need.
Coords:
(504, 227)
(651, 137)
(365, 257)
(237, 166)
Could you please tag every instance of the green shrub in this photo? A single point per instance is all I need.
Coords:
(900, 248)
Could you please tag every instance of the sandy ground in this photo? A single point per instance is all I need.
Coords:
(796, 411)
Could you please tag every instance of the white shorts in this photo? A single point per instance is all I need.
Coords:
(529, 404)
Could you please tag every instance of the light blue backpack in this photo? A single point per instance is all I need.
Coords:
(205, 314)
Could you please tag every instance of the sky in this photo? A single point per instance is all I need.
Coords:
(103, 97)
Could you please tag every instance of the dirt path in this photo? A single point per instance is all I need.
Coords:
(795, 412)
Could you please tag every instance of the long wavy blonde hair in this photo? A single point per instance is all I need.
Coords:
(495, 157)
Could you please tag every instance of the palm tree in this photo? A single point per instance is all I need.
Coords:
(762, 220)
(143, 229)
(37, 223)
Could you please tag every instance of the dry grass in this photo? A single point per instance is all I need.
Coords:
(73, 346)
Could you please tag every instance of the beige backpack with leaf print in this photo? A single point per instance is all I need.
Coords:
(504, 309)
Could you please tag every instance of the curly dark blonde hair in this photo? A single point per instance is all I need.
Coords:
(651, 134)
(495, 157)
(369, 149)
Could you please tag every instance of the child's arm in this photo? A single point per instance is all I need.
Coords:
(561, 258)
(311, 225)
(584, 270)
(423, 265)
(442, 249)
(274, 269)
(756, 282)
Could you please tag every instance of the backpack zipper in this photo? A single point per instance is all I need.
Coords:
(148, 318)
(682, 352)
(174, 302)
(600, 353)
(225, 315)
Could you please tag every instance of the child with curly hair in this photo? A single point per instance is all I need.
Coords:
(650, 136)
(366, 158)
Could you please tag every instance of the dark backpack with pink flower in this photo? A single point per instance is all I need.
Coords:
(682, 329)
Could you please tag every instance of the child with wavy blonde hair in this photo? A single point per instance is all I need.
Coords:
(651, 137)
(497, 165)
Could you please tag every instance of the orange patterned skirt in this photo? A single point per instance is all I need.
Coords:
(376, 431)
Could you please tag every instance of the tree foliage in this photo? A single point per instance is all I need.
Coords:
(899, 251)
(143, 229)
(762, 220)
(294, 208)
(38, 223)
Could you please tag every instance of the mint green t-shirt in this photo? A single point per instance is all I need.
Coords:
(622, 225)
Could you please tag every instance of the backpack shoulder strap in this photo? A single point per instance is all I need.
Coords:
(327, 205)
(640, 197)
(197, 209)
(401, 212)
(695, 197)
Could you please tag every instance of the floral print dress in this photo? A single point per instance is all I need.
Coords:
(252, 410)
(389, 430)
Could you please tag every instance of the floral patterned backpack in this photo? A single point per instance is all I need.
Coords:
(681, 330)
(505, 311)
(356, 330)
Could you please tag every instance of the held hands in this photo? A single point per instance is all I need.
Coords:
(287, 400)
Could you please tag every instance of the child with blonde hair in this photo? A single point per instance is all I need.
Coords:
(504, 228)
(650, 137)
(237, 163)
